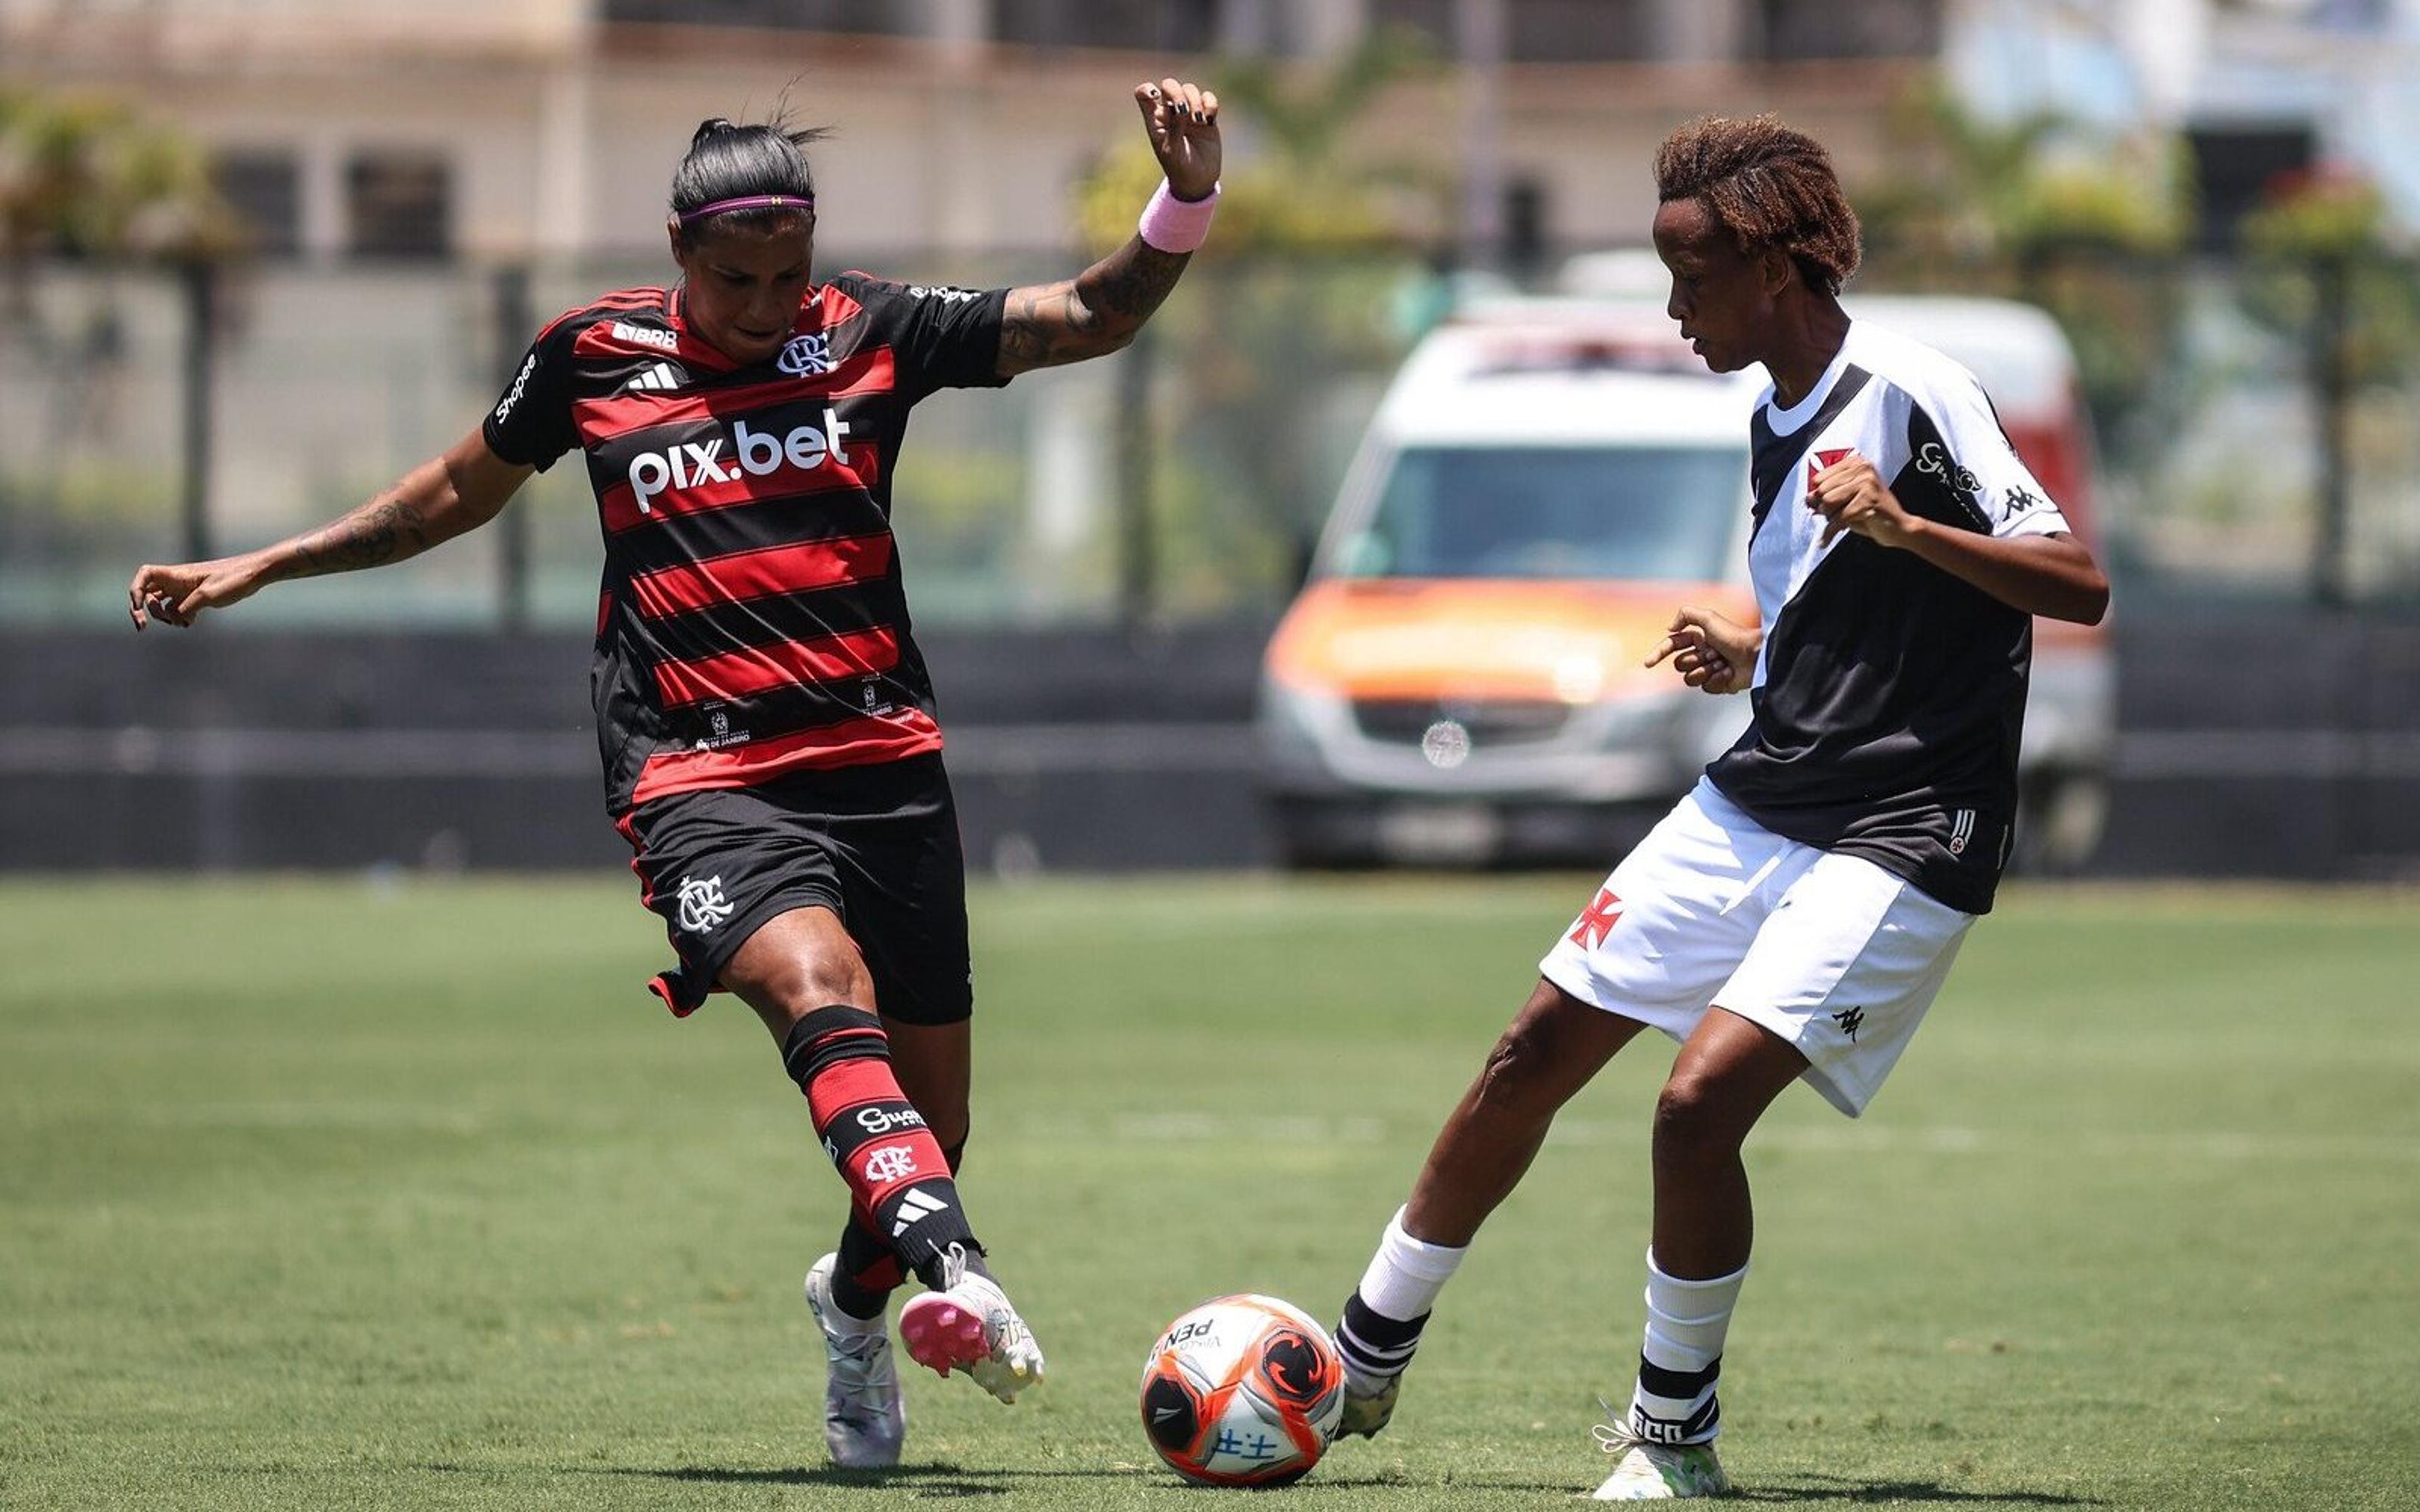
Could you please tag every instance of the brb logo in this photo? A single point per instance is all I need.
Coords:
(755, 454)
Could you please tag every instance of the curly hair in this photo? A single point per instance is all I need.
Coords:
(1770, 187)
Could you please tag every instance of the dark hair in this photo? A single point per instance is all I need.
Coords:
(1773, 189)
(728, 161)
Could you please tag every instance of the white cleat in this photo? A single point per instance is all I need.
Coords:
(1655, 1472)
(866, 1417)
(971, 1326)
(1369, 1402)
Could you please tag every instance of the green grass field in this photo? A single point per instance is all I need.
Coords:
(320, 1195)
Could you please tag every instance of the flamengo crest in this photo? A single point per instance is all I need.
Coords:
(806, 356)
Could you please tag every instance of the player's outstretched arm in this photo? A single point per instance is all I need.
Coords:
(437, 500)
(1099, 310)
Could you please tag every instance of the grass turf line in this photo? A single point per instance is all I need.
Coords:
(322, 1194)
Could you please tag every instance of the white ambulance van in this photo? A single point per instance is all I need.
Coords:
(1459, 681)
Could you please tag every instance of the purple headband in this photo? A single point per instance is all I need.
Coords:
(751, 202)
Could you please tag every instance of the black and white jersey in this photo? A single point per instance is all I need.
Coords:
(1890, 696)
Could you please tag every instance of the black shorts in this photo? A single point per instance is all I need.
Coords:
(877, 845)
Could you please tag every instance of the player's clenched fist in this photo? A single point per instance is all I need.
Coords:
(1850, 496)
(1183, 121)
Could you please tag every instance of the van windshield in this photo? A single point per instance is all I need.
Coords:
(1567, 512)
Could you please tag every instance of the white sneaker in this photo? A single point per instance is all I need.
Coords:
(969, 1325)
(1655, 1472)
(1369, 1402)
(866, 1417)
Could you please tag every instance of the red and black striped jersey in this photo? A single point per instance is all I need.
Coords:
(753, 621)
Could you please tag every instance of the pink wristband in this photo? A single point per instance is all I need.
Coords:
(1172, 224)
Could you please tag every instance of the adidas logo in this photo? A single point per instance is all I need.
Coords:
(917, 1206)
(657, 375)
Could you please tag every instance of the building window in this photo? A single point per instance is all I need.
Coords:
(1139, 26)
(1538, 31)
(399, 204)
(881, 16)
(265, 190)
(1800, 30)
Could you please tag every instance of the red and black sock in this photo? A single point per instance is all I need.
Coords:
(867, 1271)
(900, 1190)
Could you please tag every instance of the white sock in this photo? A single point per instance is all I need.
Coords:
(1407, 1274)
(1682, 1355)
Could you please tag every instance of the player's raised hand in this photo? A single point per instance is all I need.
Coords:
(1182, 122)
(1708, 650)
(175, 594)
(1850, 496)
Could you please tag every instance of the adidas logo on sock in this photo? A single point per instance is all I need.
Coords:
(914, 1207)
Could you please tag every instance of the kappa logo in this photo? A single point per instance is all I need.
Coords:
(806, 356)
(1850, 1020)
(1597, 920)
(703, 905)
(663, 341)
(890, 1162)
(757, 454)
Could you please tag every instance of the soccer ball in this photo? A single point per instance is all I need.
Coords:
(1242, 1390)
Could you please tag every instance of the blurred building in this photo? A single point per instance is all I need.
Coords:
(2258, 88)
(506, 128)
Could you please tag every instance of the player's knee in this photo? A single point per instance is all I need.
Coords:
(1694, 1120)
(806, 983)
(1519, 1073)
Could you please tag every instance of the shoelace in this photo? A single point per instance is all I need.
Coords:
(1615, 1436)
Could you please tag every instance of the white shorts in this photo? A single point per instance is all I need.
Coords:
(1831, 953)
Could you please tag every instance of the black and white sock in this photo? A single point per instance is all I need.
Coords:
(1384, 1317)
(1681, 1356)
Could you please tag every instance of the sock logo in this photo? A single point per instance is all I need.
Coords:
(914, 1207)
(890, 1162)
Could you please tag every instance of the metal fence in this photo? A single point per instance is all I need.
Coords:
(2259, 427)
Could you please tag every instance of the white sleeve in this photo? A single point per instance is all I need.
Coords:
(2002, 489)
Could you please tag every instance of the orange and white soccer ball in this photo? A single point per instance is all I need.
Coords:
(1242, 1390)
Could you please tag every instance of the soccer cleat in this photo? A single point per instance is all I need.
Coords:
(969, 1325)
(1369, 1402)
(866, 1417)
(1655, 1472)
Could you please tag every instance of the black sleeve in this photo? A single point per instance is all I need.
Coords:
(940, 337)
(531, 424)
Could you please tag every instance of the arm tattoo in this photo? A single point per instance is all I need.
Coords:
(1096, 313)
(381, 532)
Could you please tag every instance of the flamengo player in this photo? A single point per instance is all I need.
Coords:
(764, 719)
(1794, 916)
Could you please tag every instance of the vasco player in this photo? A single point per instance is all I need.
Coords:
(764, 719)
(1793, 916)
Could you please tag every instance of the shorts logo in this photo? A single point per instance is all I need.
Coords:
(702, 906)
(1850, 1020)
(1962, 830)
(806, 356)
(1597, 920)
(890, 1162)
